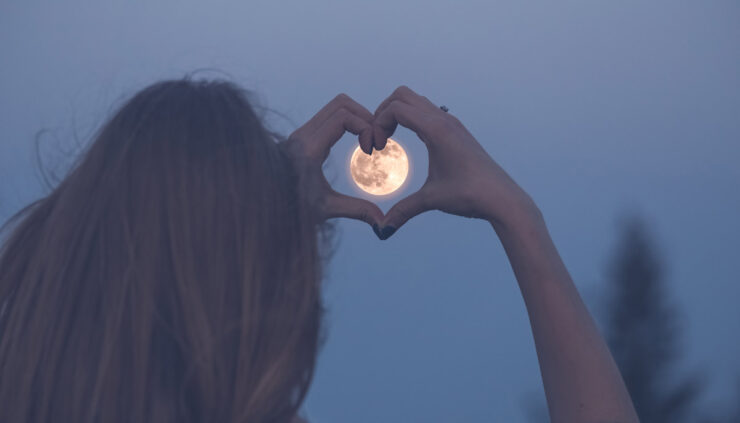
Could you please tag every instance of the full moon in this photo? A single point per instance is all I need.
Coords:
(382, 172)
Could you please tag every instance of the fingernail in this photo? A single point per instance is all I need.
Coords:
(387, 231)
(377, 230)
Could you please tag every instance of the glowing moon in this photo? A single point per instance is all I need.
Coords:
(382, 172)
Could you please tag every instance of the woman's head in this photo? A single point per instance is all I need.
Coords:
(172, 275)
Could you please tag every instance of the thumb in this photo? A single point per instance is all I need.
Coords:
(401, 212)
(340, 205)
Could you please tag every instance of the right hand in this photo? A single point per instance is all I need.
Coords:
(463, 179)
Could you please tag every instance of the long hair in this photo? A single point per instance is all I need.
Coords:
(173, 275)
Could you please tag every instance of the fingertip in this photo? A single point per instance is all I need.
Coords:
(386, 232)
(366, 141)
(376, 229)
(366, 145)
(380, 141)
(372, 215)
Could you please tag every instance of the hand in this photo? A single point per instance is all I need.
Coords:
(463, 179)
(308, 147)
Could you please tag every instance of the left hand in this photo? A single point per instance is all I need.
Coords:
(309, 146)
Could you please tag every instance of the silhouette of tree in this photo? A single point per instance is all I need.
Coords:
(641, 328)
(735, 414)
(731, 414)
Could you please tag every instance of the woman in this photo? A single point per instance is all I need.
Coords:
(174, 274)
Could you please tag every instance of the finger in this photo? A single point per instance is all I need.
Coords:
(340, 101)
(340, 205)
(379, 139)
(381, 134)
(341, 121)
(398, 112)
(406, 95)
(401, 212)
(409, 96)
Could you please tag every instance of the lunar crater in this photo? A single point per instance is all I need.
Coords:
(381, 173)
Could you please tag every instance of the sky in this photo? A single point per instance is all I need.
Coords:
(596, 109)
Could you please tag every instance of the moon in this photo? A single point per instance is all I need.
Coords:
(382, 172)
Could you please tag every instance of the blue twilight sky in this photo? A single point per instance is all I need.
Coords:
(596, 108)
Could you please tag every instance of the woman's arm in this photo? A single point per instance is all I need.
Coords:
(581, 380)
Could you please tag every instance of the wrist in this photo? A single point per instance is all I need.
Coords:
(521, 213)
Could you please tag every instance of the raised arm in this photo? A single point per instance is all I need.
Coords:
(581, 380)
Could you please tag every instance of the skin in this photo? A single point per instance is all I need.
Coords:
(581, 380)
(309, 146)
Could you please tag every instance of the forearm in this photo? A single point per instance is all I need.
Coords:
(581, 380)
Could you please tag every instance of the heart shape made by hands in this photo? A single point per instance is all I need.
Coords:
(460, 170)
